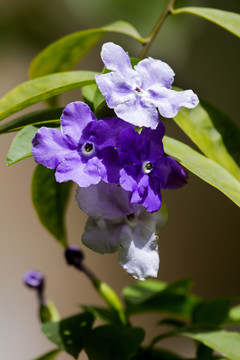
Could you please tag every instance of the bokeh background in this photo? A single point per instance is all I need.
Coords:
(200, 241)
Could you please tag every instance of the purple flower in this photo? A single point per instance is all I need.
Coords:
(35, 279)
(146, 169)
(136, 95)
(83, 150)
(134, 235)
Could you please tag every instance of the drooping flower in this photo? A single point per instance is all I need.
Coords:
(146, 169)
(138, 94)
(83, 150)
(134, 235)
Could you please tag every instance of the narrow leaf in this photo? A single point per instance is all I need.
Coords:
(50, 200)
(42, 88)
(21, 147)
(65, 53)
(205, 168)
(50, 355)
(228, 20)
(69, 334)
(225, 342)
(110, 342)
(214, 133)
(40, 117)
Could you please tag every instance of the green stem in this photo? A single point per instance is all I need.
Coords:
(153, 33)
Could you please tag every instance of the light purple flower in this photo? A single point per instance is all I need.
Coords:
(83, 150)
(146, 169)
(137, 94)
(134, 235)
(35, 280)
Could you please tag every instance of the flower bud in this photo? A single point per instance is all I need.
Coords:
(74, 256)
(35, 279)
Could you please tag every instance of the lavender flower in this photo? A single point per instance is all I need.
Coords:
(134, 235)
(136, 95)
(83, 151)
(35, 279)
(146, 169)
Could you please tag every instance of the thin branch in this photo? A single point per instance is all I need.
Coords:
(154, 32)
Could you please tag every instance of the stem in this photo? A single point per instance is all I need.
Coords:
(153, 33)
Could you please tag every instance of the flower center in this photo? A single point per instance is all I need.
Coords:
(147, 167)
(132, 220)
(88, 148)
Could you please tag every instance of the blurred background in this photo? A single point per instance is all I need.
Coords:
(201, 239)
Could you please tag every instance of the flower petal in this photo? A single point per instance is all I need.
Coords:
(138, 254)
(116, 59)
(107, 200)
(50, 147)
(83, 174)
(138, 114)
(170, 173)
(154, 71)
(115, 89)
(169, 101)
(102, 235)
(75, 117)
(152, 199)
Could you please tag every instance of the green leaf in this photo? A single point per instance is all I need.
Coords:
(21, 147)
(108, 315)
(228, 20)
(214, 133)
(88, 93)
(50, 355)
(48, 312)
(233, 316)
(225, 342)
(50, 200)
(42, 88)
(211, 312)
(69, 334)
(46, 117)
(110, 342)
(173, 298)
(140, 291)
(65, 53)
(205, 168)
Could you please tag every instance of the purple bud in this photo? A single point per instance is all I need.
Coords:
(35, 279)
(74, 256)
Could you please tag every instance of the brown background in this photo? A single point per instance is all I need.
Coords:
(201, 239)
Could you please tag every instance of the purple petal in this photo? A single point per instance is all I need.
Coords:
(107, 200)
(115, 89)
(75, 117)
(169, 101)
(50, 147)
(138, 254)
(170, 173)
(129, 147)
(152, 199)
(110, 165)
(152, 142)
(83, 174)
(154, 71)
(102, 235)
(138, 114)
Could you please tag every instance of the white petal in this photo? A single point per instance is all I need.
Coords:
(139, 252)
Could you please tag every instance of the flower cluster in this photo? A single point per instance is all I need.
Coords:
(120, 171)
